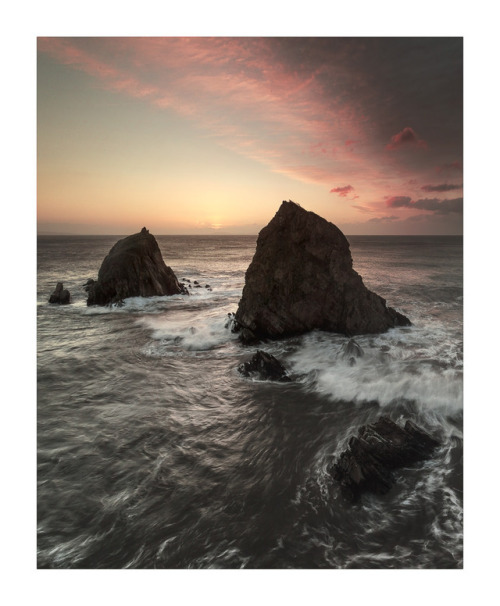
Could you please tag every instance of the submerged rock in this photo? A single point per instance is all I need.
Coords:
(134, 267)
(367, 463)
(352, 350)
(301, 278)
(60, 296)
(265, 366)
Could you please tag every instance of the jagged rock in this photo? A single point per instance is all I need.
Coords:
(134, 267)
(60, 296)
(265, 366)
(352, 350)
(367, 463)
(301, 278)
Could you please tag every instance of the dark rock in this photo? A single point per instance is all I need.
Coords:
(247, 337)
(301, 278)
(231, 323)
(367, 463)
(88, 284)
(134, 267)
(60, 296)
(352, 350)
(196, 282)
(207, 285)
(265, 366)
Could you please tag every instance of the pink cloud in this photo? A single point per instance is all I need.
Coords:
(235, 89)
(406, 138)
(398, 201)
(342, 191)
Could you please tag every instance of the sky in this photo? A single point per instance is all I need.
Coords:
(208, 135)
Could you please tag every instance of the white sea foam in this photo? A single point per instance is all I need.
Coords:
(188, 331)
(409, 364)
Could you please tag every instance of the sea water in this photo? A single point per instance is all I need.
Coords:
(154, 452)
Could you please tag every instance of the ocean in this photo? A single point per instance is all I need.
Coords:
(154, 452)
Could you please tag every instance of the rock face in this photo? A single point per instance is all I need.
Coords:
(60, 295)
(265, 366)
(134, 267)
(301, 278)
(377, 449)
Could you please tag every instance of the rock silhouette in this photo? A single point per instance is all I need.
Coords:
(301, 278)
(367, 463)
(60, 296)
(134, 267)
(264, 366)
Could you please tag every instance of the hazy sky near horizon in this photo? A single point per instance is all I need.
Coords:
(208, 135)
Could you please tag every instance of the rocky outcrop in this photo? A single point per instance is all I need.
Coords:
(301, 278)
(350, 351)
(134, 267)
(265, 367)
(60, 296)
(367, 463)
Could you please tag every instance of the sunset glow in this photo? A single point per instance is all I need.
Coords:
(209, 135)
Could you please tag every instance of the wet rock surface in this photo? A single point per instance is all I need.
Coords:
(264, 366)
(301, 278)
(134, 267)
(60, 296)
(377, 450)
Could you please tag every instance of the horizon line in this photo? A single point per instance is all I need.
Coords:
(243, 235)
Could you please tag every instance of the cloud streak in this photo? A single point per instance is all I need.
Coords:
(435, 205)
(441, 187)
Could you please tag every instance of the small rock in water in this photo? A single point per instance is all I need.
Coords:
(367, 463)
(350, 351)
(265, 366)
(60, 296)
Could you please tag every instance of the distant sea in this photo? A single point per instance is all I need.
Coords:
(154, 452)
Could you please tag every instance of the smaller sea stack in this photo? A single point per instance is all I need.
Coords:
(134, 267)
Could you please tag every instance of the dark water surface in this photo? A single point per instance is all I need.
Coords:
(154, 452)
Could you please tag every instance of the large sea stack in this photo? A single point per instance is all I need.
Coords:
(301, 278)
(134, 267)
